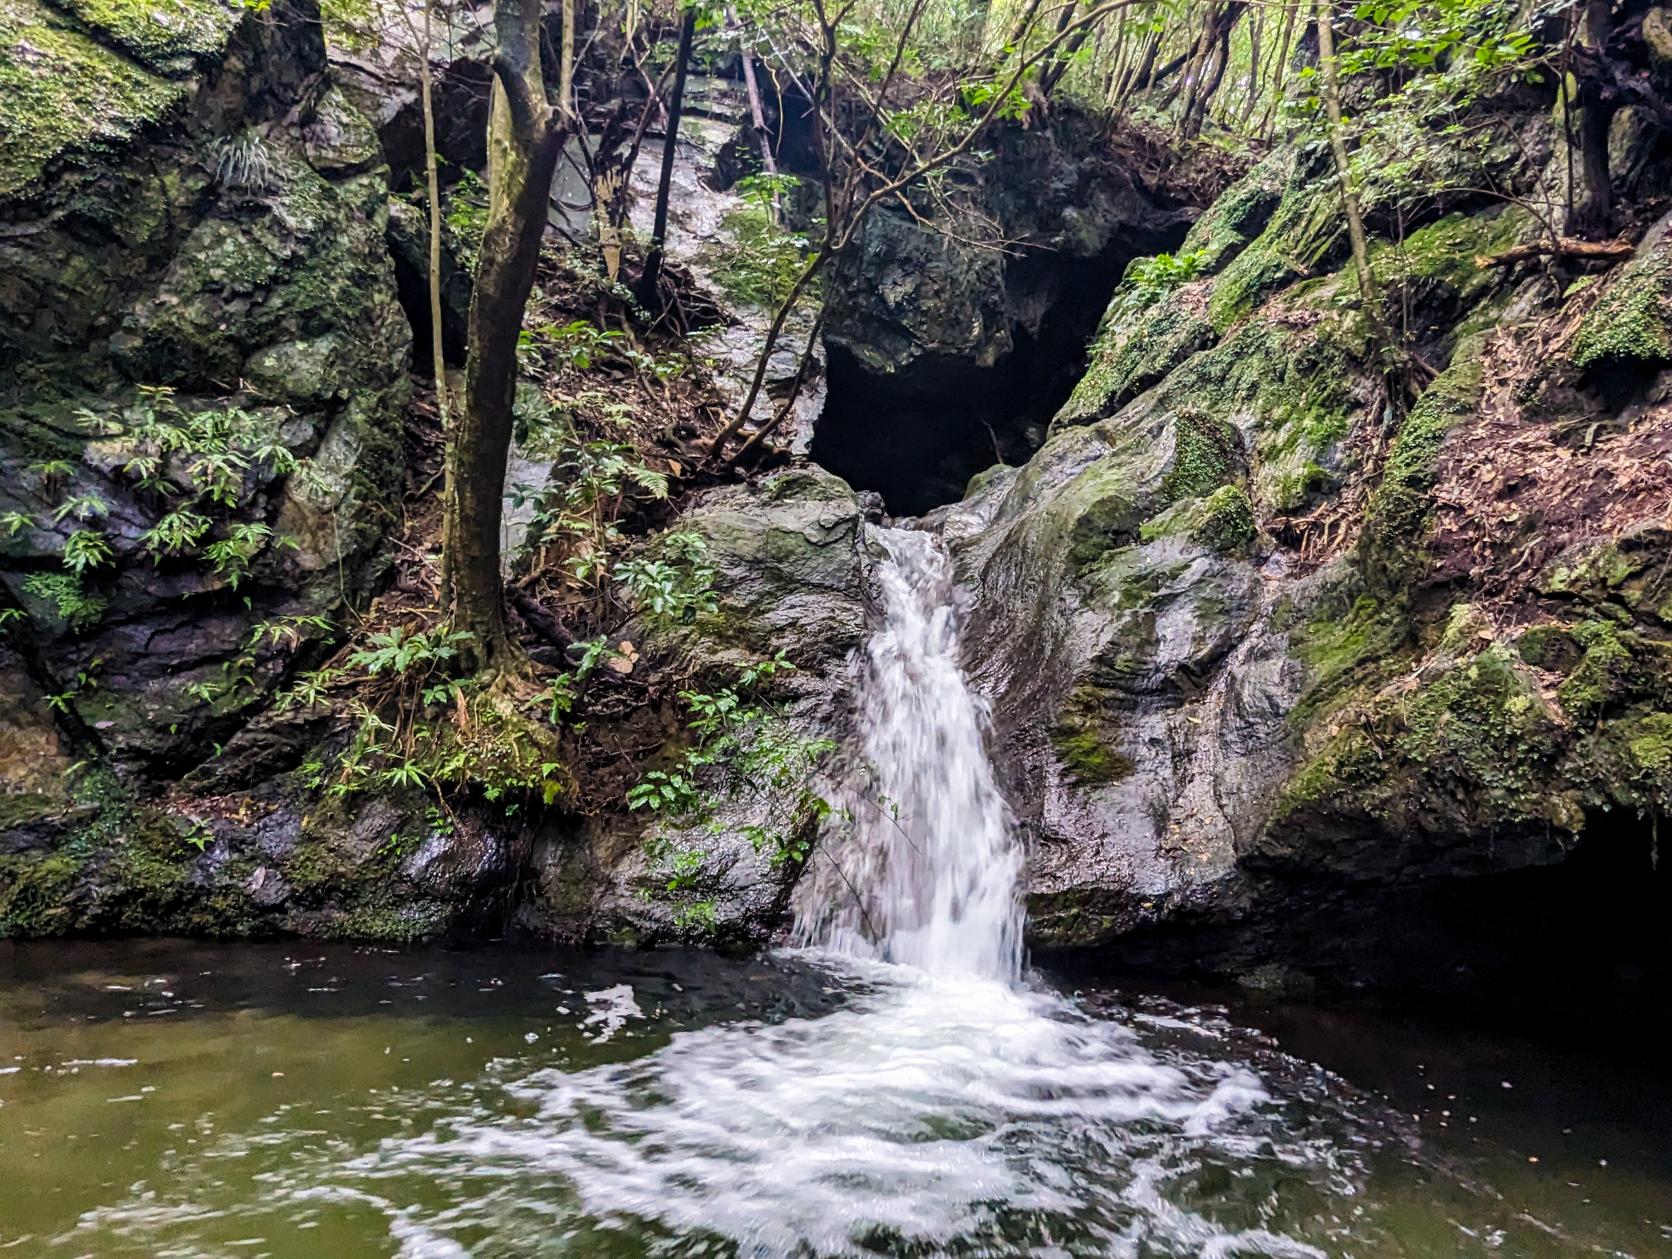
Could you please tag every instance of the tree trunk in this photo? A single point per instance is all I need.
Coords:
(1594, 217)
(652, 275)
(1279, 63)
(523, 145)
(432, 183)
(1369, 295)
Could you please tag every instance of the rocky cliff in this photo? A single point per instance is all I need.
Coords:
(1303, 663)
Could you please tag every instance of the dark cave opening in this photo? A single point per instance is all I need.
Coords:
(917, 435)
(1584, 937)
(1582, 943)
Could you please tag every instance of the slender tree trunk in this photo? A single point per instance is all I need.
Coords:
(523, 144)
(432, 184)
(1279, 65)
(566, 64)
(757, 111)
(1256, 32)
(1369, 295)
(1143, 80)
(652, 275)
(1594, 217)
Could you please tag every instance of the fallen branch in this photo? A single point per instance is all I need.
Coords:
(1561, 247)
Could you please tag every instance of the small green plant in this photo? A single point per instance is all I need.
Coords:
(1148, 280)
(744, 753)
(402, 650)
(466, 214)
(768, 257)
(85, 549)
(674, 586)
(75, 605)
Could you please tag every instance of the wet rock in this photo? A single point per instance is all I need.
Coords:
(790, 577)
(231, 251)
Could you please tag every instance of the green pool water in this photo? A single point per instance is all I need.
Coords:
(167, 1099)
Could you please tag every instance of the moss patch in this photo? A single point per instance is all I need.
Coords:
(1632, 324)
(1206, 452)
(1082, 744)
(62, 90)
(1399, 510)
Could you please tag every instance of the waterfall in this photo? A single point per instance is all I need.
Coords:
(946, 1106)
(926, 871)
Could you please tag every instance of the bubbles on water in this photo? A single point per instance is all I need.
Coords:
(933, 1112)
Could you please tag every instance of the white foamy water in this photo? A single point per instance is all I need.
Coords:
(948, 1105)
(928, 873)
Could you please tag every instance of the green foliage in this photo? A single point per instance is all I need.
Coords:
(745, 756)
(673, 587)
(466, 214)
(85, 549)
(768, 257)
(403, 651)
(75, 605)
(200, 464)
(1148, 280)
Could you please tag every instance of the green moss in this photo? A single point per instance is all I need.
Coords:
(1476, 745)
(1343, 647)
(1604, 673)
(1205, 454)
(1632, 324)
(1223, 521)
(1301, 239)
(1445, 254)
(60, 90)
(1228, 520)
(388, 920)
(1134, 352)
(1257, 273)
(34, 889)
(1240, 213)
(157, 31)
(1649, 740)
(1399, 510)
(1081, 744)
(1548, 647)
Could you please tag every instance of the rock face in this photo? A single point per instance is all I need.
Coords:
(790, 567)
(1274, 667)
(202, 376)
(944, 353)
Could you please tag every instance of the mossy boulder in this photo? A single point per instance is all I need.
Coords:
(205, 253)
(1631, 325)
(790, 560)
(85, 76)
(1401, 508)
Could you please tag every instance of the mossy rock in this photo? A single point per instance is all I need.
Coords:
(1239, 214)
(89, 75)
(1470, 749)
(1223, 521)
(1134, 352)
(1084, 741)
(1401, 507)
(1631, 326)
(159, 33)
(1625, 577)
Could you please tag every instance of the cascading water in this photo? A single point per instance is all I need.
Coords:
(927, 875)
(947, 1104)
(938, 1102)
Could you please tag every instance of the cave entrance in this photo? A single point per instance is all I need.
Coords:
(917, 435)
(1585, 938)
